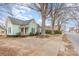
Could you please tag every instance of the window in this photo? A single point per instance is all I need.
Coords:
(22, 29)
(33, 30)
(9, 30)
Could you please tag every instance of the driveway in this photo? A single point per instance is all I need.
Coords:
(74, 38)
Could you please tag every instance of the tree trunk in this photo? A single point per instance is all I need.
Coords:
(43, 25)
(53, 22)
(59, 27)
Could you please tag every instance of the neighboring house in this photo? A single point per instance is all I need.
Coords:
(48, 28)
(15, 26)
(77, 30)
(72, 29)
(2, 31)
(55, 27)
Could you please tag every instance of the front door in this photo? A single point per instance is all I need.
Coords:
(22, 31)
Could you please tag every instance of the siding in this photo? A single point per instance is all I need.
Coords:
(11, 26)
(32, 25)
(16, 29)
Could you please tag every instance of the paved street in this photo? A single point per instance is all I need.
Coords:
(74, 38)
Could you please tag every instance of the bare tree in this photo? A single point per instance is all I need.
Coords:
(55, 13)
(60, 11)
(7, 8)
(43, 9)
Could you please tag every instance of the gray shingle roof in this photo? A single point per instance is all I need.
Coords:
(18, 21)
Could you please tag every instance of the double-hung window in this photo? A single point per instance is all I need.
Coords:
(9, 30)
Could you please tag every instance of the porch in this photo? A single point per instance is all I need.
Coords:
(23, 30)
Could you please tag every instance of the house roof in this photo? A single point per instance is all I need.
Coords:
(18, 21)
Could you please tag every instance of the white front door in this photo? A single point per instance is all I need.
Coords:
(23, 31)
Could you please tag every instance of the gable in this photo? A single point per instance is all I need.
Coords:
(8, 21)
(13, 21)
(18, 21)
(33, 22)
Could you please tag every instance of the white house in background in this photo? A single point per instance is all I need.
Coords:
(2, 31)
(72, 29)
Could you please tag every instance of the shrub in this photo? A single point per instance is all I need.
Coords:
(37, 33)
(57, 32)
(48, 31)
(31, 34)
(34, 34)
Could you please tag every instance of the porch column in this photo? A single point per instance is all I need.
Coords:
(24, 30)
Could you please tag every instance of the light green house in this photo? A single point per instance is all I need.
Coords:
(15, 26)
